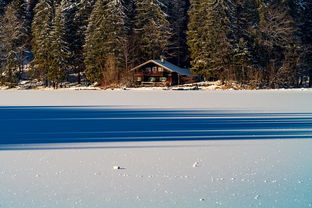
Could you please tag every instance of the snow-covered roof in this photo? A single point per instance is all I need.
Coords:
(167, 65)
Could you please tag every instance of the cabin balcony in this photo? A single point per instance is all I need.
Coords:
(152, 74)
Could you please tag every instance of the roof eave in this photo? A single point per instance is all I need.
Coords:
(188, 73)
(151, 61)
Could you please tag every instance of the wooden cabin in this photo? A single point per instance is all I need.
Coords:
(160, 73)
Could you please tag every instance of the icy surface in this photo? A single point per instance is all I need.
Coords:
(229, 173)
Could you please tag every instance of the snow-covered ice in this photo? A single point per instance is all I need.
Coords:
(296, 100)
(231, 173)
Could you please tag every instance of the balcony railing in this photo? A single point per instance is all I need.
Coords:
(160, 74)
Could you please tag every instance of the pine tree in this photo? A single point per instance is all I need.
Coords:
(304, 23)
(60, 53)
(276, 39)
(42, 40)
(178, 20)
(29, 15)
(244, 62)
(211, 37)
(77, 23)
(194, 34)
(12, 41)
(152, 31)
(106, 42)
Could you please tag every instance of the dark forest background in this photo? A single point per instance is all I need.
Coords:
(260, 43)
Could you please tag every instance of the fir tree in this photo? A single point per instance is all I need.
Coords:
(304, 22)
(244, 62)
(276, 39)
(76, 30)
(152, 31)
(106, 40)
(60, 53)
(211, 37)
(42, 40)
(29, 15)
(178, 20)
(12, 41)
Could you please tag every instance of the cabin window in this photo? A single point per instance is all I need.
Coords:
(152, 79)
(155, 69)
(148, 69)
(139, 79)
(160, 69)
(163, 79)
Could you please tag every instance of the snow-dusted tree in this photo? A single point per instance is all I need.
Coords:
(60, 52)
(244, 63)
(304, 23)
(177, 10)
(42, 40)
(76, 30)
(211, 34)
(12, 41)
(276, 42)
(106, 43)
(152, 31)
(29, 15)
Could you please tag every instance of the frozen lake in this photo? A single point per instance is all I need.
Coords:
(174, 149)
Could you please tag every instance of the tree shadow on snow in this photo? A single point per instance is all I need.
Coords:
(74, 124)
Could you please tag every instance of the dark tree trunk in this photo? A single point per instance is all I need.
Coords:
(79, 78)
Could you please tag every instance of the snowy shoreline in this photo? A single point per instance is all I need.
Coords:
(260, 100)
(199, 86)
(183, 88)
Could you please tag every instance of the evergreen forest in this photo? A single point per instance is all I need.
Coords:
(259, 43)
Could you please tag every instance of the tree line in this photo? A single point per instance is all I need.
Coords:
(262, 43)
